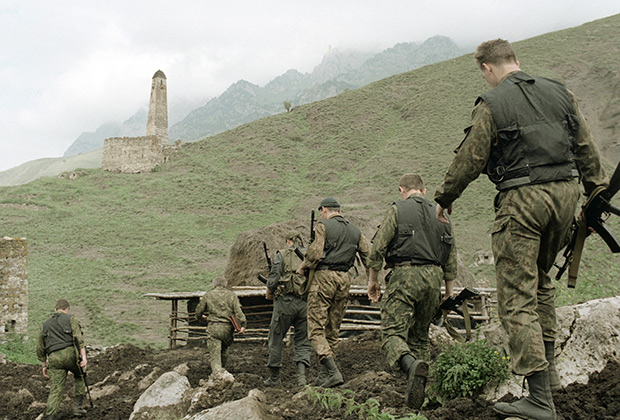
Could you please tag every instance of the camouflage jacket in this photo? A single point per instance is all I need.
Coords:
(473, 154)
(383, 237)
(219, 304)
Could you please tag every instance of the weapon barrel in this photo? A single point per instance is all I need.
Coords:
(299, 254)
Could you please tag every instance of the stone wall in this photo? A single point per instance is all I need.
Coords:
(132, 154)
(13, 285)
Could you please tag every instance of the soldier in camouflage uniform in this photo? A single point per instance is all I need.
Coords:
(220, 304)
(420, 252)
(530, 138)
(289, 309)
(330, 256)
(57, 352)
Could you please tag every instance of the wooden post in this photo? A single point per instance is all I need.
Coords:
(173, 324)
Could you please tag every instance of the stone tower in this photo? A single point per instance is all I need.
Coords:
(157, 124)
(13, 286)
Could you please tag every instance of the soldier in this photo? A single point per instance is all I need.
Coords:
(529, 136)
(57, 352)
(420, 251)
(220, 304)
(331, 256)
(289, 308)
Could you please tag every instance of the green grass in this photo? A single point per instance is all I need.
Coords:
(104, 239)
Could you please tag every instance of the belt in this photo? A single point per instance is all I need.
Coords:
(413, 264)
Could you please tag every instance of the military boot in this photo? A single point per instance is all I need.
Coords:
(417, 372)
(554, 378)
(334, 377)
(321, 377)
(274, 377)
(301, 374)
(536, 406)
(78, 407)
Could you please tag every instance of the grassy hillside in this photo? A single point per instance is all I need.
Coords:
(35, 169)
(102, 240)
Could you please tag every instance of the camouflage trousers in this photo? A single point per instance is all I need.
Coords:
(289, 310)
(327, 302)
(412, 297)
(59, 363)
(531, 226)
(219, 338)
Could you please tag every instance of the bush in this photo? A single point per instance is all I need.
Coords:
(464, 369)
(342, 401)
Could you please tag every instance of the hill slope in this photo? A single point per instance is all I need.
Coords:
(102, 240)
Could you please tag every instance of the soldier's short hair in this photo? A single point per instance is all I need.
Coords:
(496, 51)
(411, 182)
(220, 281)
(62, 304)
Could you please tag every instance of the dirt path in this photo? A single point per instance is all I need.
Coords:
(24, 389)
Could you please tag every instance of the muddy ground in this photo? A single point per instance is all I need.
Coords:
(23, 388)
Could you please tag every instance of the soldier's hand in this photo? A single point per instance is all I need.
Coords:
(301, 271)
(441, 214)
(268, 294)
(242, 330)
(374, 291)
(45, 371)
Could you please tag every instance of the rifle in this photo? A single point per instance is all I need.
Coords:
(267, 255)
(310, 273)
(312, 226)
(82, 371)
(262, 278)
(452, 304)
(592, 220)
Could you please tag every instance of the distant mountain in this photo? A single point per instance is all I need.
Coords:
(135, 126)
(244, 102)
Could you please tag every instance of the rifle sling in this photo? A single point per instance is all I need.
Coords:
(467, 320)
(452, 332)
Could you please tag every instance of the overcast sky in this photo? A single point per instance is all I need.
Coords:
(68, 66)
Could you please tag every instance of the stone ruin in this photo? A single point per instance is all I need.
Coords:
(13, 286)
(142, 154)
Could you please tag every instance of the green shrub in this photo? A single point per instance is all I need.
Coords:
(332, 400)
(464, 369)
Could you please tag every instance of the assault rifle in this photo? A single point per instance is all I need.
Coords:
(597, 205)
(454, 302)
(262, 278)
(301, 256)
(76, 347)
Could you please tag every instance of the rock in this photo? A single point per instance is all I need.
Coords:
(252, 407)
(182, 369)
(588, 338)
(211, 392)
(104, 391)
(148, 380)
(165, 397)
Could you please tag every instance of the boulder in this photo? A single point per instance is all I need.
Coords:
(588, 339)
(252, 407)
(164, 399)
